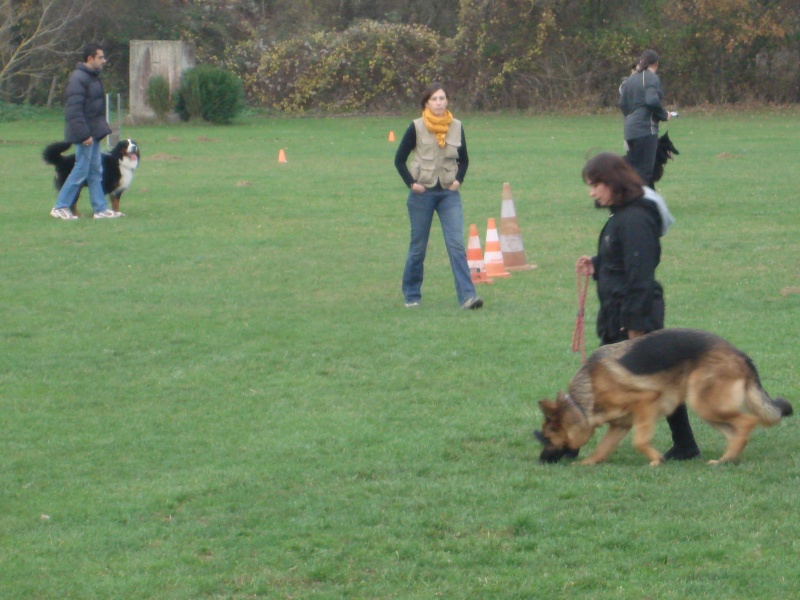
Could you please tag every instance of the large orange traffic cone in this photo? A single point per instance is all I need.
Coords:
(510, 236)
(477, 269)
(281, 156)
(493, 257)
(391, 136)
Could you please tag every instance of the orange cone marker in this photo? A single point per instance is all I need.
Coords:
(511, 246)
(493, 257)
(477, 270)
(391, 136)
(281, 156)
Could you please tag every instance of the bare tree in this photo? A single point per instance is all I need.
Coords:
(34, 35)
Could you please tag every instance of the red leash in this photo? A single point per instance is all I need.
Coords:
(579, 336)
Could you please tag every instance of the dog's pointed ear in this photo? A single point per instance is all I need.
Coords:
(548, 406)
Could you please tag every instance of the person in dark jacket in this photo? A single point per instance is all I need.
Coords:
(629, 250)
(85, 126)
(640, 102)
(435, 175)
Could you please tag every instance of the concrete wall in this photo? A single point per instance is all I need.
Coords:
(156, 57)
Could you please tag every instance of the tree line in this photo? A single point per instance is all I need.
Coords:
(375, 55)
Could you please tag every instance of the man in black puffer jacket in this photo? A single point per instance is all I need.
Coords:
(85, 126)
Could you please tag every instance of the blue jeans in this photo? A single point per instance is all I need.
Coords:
(447, 205)
(89, 168)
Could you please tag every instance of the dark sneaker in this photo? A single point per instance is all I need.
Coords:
(676, 453)
(472, 303)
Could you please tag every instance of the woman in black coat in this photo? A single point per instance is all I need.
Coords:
(629, 250)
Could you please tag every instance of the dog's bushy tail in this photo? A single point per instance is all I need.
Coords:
(784, 406)
(52, 154)
(769, 410)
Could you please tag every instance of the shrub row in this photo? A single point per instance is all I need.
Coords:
(206, 92)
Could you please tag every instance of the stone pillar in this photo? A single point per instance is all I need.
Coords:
(156, 57)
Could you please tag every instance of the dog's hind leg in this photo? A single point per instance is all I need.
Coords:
(737, 429)
(614, 435)
(721, 403)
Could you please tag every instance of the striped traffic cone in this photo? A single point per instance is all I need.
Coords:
(477, 269)
(493, 257)
(511, 246)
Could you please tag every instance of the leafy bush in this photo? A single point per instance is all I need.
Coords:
(158, 96)
(210, 93)
(370, 67)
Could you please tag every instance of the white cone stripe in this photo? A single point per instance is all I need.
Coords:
(511, 243)
(507, 210)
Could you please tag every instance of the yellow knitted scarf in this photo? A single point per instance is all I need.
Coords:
(439, 126)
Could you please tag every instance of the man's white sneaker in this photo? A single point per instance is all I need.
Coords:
(62, 213)
(108, 214)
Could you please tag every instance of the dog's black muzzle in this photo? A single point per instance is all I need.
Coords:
(551, 454)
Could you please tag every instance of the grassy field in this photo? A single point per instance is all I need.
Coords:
(222, 396)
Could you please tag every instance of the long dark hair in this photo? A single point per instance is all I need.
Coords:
(430, 91)
(648, 57)
(617, 174)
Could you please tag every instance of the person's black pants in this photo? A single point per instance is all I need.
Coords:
(642, 157)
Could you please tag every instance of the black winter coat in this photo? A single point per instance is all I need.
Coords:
(85, 113)
(628, 253)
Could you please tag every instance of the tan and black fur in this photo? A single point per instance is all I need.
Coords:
(634, 383)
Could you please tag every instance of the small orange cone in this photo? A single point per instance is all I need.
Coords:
(477, 270)
(391, 136)
(281, 156)
(510, 236)
(493, 257)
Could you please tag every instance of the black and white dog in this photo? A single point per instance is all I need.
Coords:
(118, 168)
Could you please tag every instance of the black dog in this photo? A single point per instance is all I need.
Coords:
(118, 168)
(664, 152)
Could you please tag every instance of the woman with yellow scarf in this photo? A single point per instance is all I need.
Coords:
(434, 177)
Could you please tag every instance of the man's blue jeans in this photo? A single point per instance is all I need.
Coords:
(447, 204)
(89, 168)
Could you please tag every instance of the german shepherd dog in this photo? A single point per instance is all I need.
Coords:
(664, 152)
(633, 383)
(118, 168)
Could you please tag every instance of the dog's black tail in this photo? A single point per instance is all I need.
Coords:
(784, 406)
(52, 154)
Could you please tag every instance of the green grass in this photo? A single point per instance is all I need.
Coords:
(222, 396)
